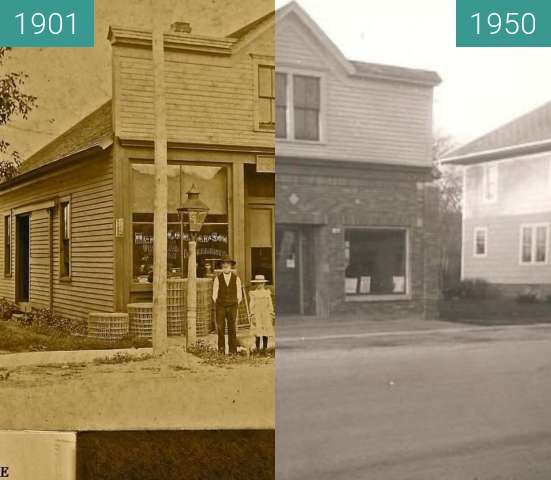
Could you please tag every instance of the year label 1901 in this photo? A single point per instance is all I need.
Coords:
(54, 24)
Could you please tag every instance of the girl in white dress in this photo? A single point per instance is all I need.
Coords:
(262, 313)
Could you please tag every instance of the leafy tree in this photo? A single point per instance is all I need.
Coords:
(13, 102)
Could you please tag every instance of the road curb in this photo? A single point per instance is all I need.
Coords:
(400, 333)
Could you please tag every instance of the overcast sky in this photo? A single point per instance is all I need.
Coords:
(482, 88)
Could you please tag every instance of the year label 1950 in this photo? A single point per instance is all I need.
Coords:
(503, 23)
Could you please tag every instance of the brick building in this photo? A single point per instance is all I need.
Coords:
(356, 230)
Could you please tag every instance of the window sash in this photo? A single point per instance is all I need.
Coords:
(266, 96)
(298, 106)
(490, 183)
(534, 244)
(480, 242)
(65, 240)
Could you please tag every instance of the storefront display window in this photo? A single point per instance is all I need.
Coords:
(376, 261)
(212, 242)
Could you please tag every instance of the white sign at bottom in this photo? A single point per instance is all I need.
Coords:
(29, 455)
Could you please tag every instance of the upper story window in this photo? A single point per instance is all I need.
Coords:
(534, 240)
(480, 242)
(266, 97)
(281, 105)
(489, 183)
(306, 102)
(299, 107)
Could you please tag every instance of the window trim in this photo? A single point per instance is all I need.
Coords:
(475, 232)
(406, 295)
(290, 114)
(486, 168)
(68, 201)
(8, 220)
(259, 61)
(533, 227)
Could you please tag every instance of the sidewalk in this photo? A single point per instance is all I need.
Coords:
(296, 328)
(26, 359)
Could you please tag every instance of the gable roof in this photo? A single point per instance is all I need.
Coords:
(355, 68)
(243, 31)
(528, 133)
(94, 129)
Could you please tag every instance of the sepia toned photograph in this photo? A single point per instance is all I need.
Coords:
(138, 223)
(412, 262)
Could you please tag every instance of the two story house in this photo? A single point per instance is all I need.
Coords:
(355, 221)
(78, 220)
(507, 205)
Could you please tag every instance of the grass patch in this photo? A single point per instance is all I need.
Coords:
(121, 358)
(210, 356)
(15, 338)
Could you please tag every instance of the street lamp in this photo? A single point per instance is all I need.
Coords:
(196, 211)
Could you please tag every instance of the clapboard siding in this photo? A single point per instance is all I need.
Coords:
(524, 187)
(210, 100)
(378, 121)
(90, 187)
(502, 263)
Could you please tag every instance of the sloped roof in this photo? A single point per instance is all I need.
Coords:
(355, 68)
(393, 71)
(527, 130)
(238, 34)
(92, 129)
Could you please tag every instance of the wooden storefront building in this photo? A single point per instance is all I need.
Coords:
(78, 219)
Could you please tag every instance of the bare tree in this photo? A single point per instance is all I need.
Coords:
(13, 102)
(449, 180)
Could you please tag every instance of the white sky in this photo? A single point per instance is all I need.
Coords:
(482, 88)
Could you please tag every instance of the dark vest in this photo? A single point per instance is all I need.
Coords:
(227, 294)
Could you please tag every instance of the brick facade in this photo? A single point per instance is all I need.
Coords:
(331, 196)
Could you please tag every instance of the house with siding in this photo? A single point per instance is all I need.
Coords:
(77, 221)
(507, 205)
(356, 210)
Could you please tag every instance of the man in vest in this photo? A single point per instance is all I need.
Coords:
(227, 295)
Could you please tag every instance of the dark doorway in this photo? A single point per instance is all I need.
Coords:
(295, 272)
(22, 266)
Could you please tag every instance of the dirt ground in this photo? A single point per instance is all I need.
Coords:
(176, 391)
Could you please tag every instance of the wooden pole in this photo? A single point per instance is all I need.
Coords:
(191, 337)
(160, 344)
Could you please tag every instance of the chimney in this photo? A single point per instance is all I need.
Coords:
(181, 27)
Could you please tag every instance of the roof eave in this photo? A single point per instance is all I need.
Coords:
(99, 146)
(499, 153)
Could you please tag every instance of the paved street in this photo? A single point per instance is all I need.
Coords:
(460, 404)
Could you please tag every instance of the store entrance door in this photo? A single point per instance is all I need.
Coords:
(295, 272)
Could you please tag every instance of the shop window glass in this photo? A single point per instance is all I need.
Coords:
(376, 262)
(212, 241)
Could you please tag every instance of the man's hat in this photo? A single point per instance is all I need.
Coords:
(259, 279)
(226, 259)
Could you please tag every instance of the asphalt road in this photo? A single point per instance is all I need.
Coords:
(457, 405)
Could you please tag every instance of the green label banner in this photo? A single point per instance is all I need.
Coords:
(503, 23)
(52, 23)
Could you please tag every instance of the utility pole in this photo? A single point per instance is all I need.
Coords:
(160, 343)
